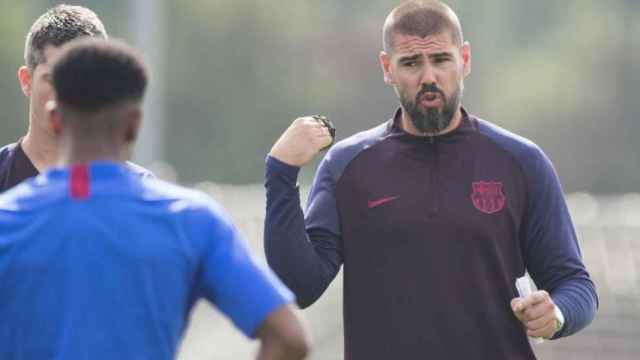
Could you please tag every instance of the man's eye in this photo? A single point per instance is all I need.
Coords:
(411, 64)
(439, 60)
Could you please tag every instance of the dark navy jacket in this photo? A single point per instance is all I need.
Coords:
(15, 166)
(432, 232)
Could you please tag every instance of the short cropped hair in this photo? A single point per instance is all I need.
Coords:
(91, 74)
(421, 18)
(57, 26)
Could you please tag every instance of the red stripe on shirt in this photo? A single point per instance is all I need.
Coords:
(79, 181)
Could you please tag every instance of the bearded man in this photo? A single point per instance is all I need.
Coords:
(434, 214)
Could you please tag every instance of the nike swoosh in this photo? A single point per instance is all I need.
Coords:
(375, 203)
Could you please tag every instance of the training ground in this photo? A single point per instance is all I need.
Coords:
(609, 232)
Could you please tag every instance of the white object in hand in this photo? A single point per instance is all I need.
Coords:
(523, 284)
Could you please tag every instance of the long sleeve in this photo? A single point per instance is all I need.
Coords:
(552, 253)
(305, 254)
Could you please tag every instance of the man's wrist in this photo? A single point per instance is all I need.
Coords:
(281, 169)
(559, 319)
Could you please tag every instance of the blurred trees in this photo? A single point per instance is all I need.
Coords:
(564, 74)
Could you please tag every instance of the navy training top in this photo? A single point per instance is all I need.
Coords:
(100, 263)
(432, 232)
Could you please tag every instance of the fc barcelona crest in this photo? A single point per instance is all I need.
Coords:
(487, 196)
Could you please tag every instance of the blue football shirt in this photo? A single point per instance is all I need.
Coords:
(99, 263)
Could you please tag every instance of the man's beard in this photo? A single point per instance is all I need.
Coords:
(432, 120)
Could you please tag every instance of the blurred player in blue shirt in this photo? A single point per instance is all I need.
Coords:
(97, 262)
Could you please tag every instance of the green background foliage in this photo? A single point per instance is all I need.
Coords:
(235, 73)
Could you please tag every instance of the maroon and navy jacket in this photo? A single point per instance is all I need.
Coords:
(432, 232)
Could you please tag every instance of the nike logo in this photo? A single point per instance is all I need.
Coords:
(376, 203)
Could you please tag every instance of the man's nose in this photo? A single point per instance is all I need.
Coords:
(428, 76)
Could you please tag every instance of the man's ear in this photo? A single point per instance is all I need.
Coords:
(54, 117)
(25, 80)
(134, 119)
(385, 64)
(466, 58)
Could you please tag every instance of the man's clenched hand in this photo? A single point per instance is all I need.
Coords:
(537, 313)
(300, 143)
